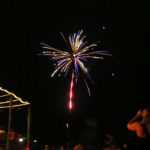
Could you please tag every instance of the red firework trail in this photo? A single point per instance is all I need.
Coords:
(71, 92)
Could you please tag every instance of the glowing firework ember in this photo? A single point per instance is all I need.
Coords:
(71, 92)
(80, 53)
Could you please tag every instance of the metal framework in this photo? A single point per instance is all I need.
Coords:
(5, 97)
(9, 100)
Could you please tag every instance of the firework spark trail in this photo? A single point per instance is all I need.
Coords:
(71, 92)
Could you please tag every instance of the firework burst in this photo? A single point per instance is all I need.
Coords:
(79, 54)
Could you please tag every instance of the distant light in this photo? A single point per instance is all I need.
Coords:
(35, 141)
(113, 74)
(125, 146)
(2, 131)
(20, 140)
(46, 147)
(103, 27)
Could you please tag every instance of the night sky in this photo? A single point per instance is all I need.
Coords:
(121, 83)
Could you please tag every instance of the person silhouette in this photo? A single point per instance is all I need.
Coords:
(110, 143)
(89, 139)
(140, 123)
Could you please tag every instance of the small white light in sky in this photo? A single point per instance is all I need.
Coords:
(35, 141)
(113, 74)
(103, 27)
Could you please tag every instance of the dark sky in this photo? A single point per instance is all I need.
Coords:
(123, 29)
